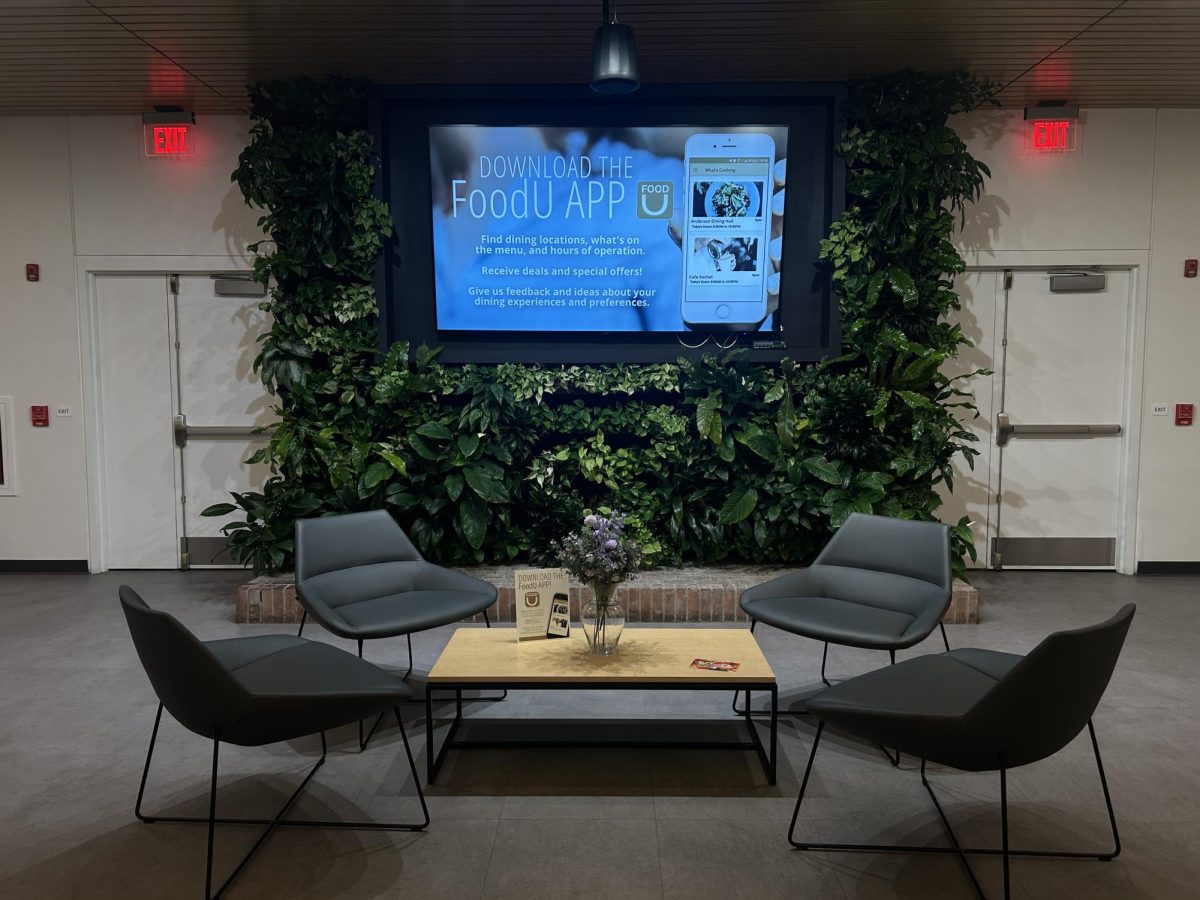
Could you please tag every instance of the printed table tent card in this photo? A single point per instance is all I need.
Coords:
(541, 601)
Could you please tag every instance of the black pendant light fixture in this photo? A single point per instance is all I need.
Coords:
(614, 56)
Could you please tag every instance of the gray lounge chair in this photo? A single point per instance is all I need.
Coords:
(981, 711)
(880, 583)
(360, 576)
(252, 691)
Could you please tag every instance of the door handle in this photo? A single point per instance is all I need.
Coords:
(1005, 430)
(182, 430)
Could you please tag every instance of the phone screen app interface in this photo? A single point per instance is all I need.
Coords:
(728, 210)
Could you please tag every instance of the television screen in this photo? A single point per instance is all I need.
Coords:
(575, 228)
(551, 224)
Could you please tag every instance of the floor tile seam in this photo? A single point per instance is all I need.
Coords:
(487, 867)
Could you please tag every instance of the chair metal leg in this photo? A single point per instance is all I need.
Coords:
(412, 767)
(945, 640)
(1112, 816)
(137, 807)
(1004, 851)
(278, 820)
(824, 656)
(1004, 825)
(212, 816)
(303, 619)
(812, 754)
(957, 847)
(894, 760)
(363, 741)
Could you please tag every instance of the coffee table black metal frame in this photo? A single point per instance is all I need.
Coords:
(434, 759)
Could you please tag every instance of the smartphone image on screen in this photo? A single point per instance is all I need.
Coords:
(726, 229)
(559, 624)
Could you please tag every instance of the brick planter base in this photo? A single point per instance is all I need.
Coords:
(660, 595)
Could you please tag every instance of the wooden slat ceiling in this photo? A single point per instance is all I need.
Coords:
(123, 56)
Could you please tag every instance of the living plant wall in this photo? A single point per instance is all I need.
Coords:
(711, 460)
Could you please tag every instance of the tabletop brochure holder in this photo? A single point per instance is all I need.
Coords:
(543, 609)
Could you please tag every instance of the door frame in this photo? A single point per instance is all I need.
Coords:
(1137, 264)
(87, 269)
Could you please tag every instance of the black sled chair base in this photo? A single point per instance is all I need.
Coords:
(278, 820)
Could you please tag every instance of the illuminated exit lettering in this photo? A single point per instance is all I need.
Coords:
(1050, 136)
(168, 140)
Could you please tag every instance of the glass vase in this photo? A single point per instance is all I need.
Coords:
(603, 619)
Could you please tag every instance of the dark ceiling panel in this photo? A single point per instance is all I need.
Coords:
(61, 56)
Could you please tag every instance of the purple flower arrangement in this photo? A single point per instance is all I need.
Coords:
(600, 553)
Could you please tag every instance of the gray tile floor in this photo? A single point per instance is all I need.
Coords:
(76, 712)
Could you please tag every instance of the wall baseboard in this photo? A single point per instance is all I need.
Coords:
(1168, 568)
(43, 565)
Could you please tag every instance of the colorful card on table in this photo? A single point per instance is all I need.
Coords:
(715, 665)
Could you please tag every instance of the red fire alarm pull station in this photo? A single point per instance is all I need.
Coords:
(1189, 268)
(32, 272)
(1184, 413)
(40, 416)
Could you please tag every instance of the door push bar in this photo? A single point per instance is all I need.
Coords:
(1005, 431)
(182, 431)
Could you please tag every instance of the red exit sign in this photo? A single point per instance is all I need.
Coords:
(169, 140)
(1052, 135)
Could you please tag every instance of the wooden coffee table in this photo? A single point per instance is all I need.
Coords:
(656, 659)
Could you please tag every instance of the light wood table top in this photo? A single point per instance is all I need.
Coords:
(645, 655)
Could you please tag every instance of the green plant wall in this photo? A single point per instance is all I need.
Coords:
(711, 460)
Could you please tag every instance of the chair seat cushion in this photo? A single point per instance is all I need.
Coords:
(919, 706)
(395, 614)
(394, 598)
(296, 687)
(833, 620)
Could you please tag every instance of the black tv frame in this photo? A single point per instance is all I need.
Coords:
(412, 238)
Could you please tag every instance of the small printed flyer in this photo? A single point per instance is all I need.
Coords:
(541, 601)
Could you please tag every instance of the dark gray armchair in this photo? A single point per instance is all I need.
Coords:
(880, 583)
(981, 711)
(360, 576)
(253, 691)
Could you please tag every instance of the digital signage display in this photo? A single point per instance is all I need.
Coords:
(566, 228)
(551, 224)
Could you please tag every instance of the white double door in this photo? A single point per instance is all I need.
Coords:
(177, 400)
(1049, 488)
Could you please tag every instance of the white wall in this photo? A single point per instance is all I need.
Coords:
(1130, 196)
(78, 191)
(1170, 458)
(39, 342)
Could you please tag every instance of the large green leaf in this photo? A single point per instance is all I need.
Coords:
(435, 430)
(823, 469)
(483, 484)
(904, 285)
(738, 506)
(468, 444)
(376, 474)
(708, 417)
(473, 517)
(394, 461)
